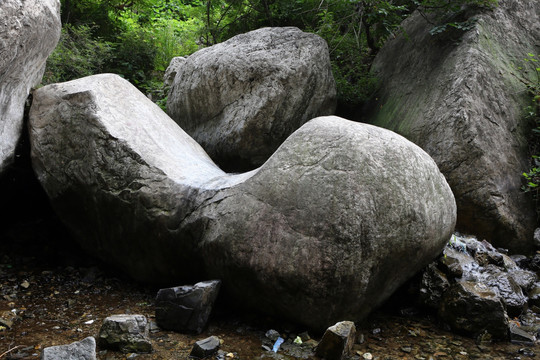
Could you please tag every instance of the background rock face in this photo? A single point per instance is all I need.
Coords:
(316, 234)
(462, 102)
(29, 31)
(241, 99)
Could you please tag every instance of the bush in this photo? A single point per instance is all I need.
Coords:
(134, 55)
(532, 114)
(77, 55)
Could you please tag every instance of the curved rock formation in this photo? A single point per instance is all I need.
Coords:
(240, 99)
(462, 100)
(29, 32)
(340, 215)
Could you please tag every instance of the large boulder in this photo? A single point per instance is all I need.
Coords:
(29, 31)
(315, 234)
(462, 100)
(240, 99)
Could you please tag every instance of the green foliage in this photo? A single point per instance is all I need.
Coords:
(532, 114)
(453, 14)
(77, 55)
(138, 38)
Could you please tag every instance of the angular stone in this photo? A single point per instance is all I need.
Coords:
(473, 308)
(534, 294)
(81, 350)
(507, 288)
(127, 333)
(29, 32)
(524, 278)
(205, 347)
(462, 101)
(457, 263)
(434, 284)
(337, 341)
(325, 221)
(242, 98)
(518, 335)
(186, 308)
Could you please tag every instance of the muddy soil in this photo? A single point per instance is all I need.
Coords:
(53, 294)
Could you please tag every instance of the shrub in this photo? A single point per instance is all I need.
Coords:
(78, 54)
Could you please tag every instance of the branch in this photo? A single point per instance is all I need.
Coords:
(10, 350)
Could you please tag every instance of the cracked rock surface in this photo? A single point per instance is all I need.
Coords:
(315, 234)
(29, 32)
(463, 101)
(242, 98)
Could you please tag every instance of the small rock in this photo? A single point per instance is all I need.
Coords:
(7, 318)
(536, 237)
(186, 308)
(526, 351)
(337, 341)
(434, 284)
(25, 284)
(205, 347)
(304, 336)
(367, 356)
(127, 333)
(81, 350)
(153, 326)
(272, 334)
(406, 349)
(520, 336)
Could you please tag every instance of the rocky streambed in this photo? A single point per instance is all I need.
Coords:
(58, 296)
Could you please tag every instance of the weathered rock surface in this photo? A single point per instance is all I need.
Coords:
(240, 99)
(80, 350)
(337, 341)
(462, 101)
(29, 31)
(314, 235)
(173, 68)
(186, 308)
(473, 308)
(127, 333)
(475, 288)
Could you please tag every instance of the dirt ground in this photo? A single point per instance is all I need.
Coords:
(54, 294)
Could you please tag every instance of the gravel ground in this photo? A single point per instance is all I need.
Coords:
(52, 294)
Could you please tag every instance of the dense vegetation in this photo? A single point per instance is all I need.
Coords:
(138, 38)
(532, 113)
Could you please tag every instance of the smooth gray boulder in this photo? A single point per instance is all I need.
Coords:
(315, 234)
(242, 98)
(462, 100)
(80, 350)
(29, 32)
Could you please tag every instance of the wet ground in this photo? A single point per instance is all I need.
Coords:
(52, 294)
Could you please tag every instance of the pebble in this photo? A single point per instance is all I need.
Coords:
(367, 356)
(406, 349)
